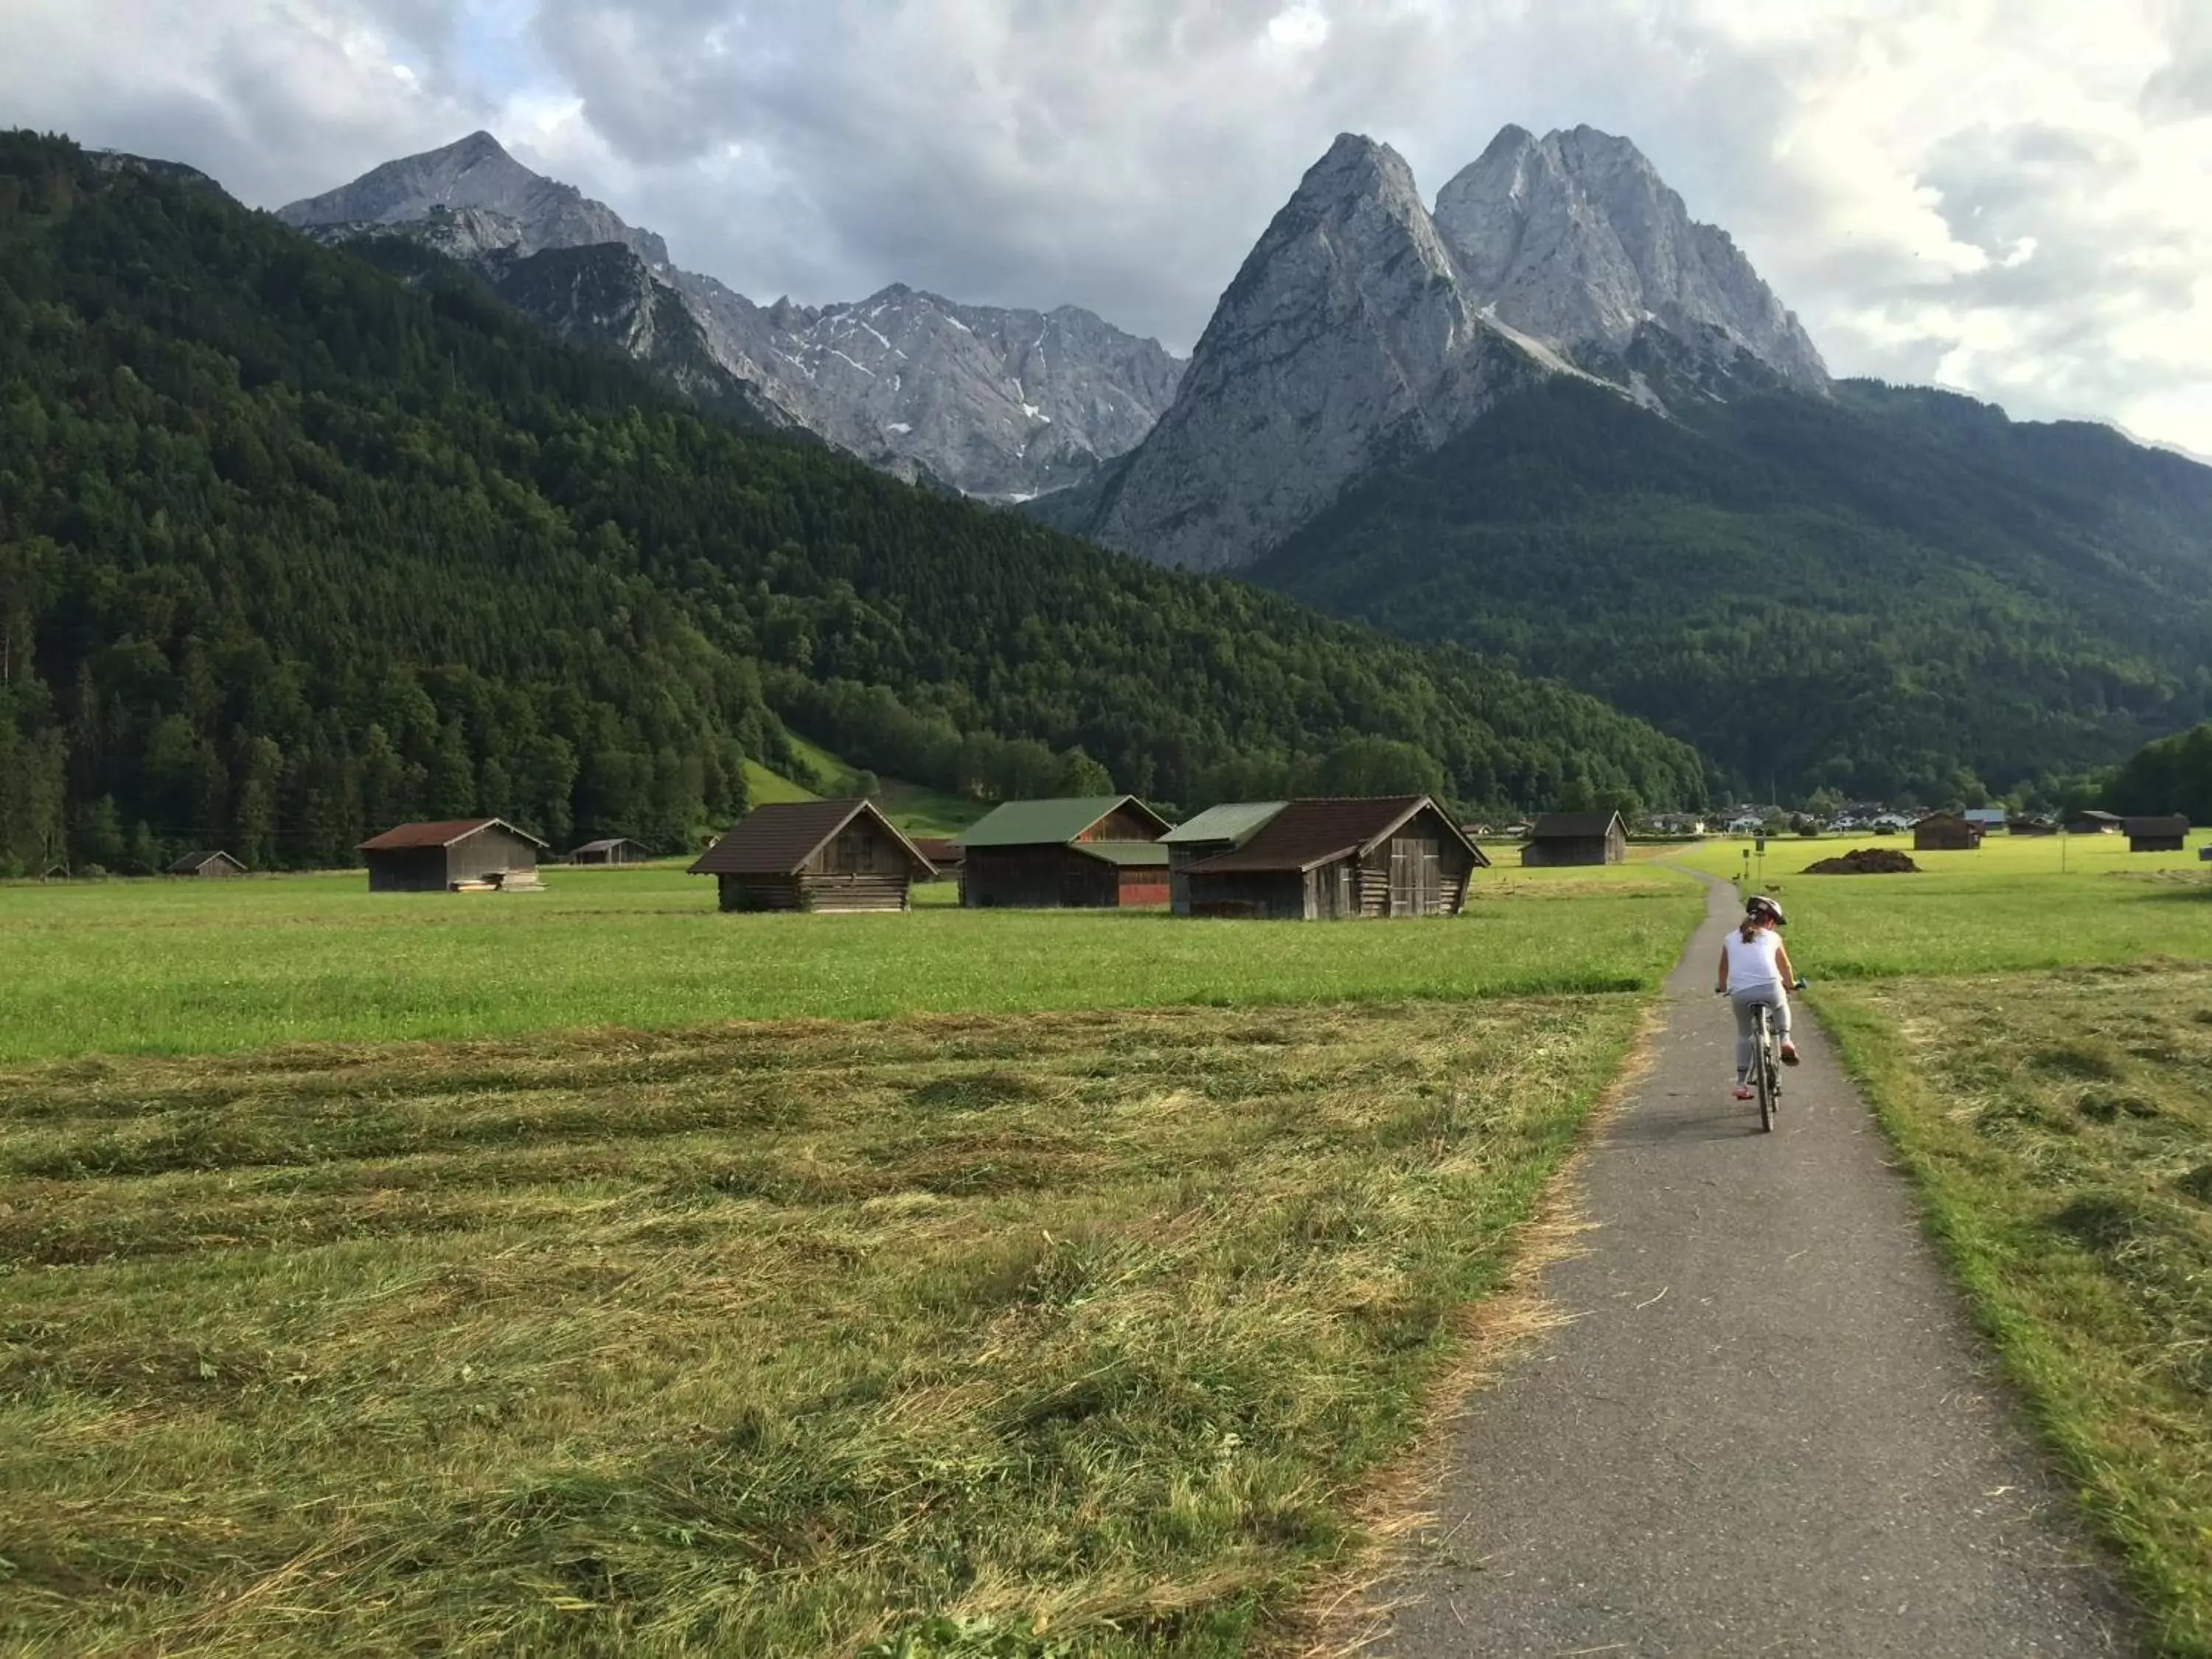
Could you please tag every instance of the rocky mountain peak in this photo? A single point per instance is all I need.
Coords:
(475, 172)
(1005, 403)
(1346, 340)
(1574, 238)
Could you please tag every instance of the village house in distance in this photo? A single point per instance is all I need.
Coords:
(822, 855)
(454, 855)
(1323, 860)
(1090, 852)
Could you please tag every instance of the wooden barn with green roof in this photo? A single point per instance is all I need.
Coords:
(1090, 852)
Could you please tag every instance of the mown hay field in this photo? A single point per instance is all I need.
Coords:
(974, 1334)
(183, 967)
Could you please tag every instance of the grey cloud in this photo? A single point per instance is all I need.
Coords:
(2182, 89)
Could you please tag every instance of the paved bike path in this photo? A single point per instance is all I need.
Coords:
(1768, 1428)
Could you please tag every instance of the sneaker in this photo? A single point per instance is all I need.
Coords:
(1743, 1091)
(1789, 1053)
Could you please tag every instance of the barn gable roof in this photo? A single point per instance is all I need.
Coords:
(779, 838)
(1307, 833)
(444, 832)
(192, 863)
(605, 845)
(1047, 823)
(1235, 822)
(1572, 826)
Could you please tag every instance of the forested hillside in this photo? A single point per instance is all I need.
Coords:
(1888, 593)
(290, 548)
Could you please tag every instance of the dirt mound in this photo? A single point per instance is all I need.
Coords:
(1865, 861)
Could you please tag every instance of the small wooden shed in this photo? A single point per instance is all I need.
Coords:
(2095, 823)
(944, 855)
(453, 855)
(2169, 834)
(2031, 827)
(1398, 855)
(1216, 831)
(1090, 852)
(1557, 838)
(207, 864)
(825, 855)
(613, 853)
(1945, 832)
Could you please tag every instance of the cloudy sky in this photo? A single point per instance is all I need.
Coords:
(2006, 197)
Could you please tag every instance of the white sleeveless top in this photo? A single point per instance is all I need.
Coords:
(1751, 962)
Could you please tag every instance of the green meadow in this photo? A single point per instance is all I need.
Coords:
(180, 967)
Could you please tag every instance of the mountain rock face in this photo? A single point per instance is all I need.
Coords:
(1346, 342)
(1574, 238)
(998, 402)
(475, 173)
(1364, 330)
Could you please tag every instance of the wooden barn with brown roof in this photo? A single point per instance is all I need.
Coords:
(825, 855)
(1945, 832)
(943, 854)
(1088, 852)
(1558, 838)
(2169, 834)
(452, 855)
(205, 865)
(1317, 860)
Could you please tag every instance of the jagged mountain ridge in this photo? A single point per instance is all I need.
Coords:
(1364, 329)
(992, 401)
(1574, 238)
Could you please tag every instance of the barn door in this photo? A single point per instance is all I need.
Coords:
(1403, 872)
(1432, 883)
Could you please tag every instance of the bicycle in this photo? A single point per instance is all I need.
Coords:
(1765, 1064)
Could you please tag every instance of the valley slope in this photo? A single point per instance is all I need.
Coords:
(297, 542)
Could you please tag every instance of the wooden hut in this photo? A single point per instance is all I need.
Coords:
(2169, 834)
(453, 855)
(1092, 852)
(1945, 832)
(944, 855)
(1558, 838)
(2031, 827)
(828, 855)
(1399, 855)
(2095, 823)
(612, 853)
(1216, 831)
(207, 864)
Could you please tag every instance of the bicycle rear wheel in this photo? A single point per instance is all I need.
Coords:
(1763, 1063)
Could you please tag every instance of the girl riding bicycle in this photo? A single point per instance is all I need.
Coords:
(1755, 969)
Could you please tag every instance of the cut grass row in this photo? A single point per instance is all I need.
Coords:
(2060, 1127)
(154, 967)
(1070, 1334)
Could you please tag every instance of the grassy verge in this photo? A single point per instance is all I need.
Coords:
(172, 967)
(974, 1335)
(2060, 1124)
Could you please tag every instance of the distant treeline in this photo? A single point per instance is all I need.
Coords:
(2173, 775)
(295, 543)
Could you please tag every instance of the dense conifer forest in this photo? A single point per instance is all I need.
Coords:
(1892, 593)
(295, 543)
